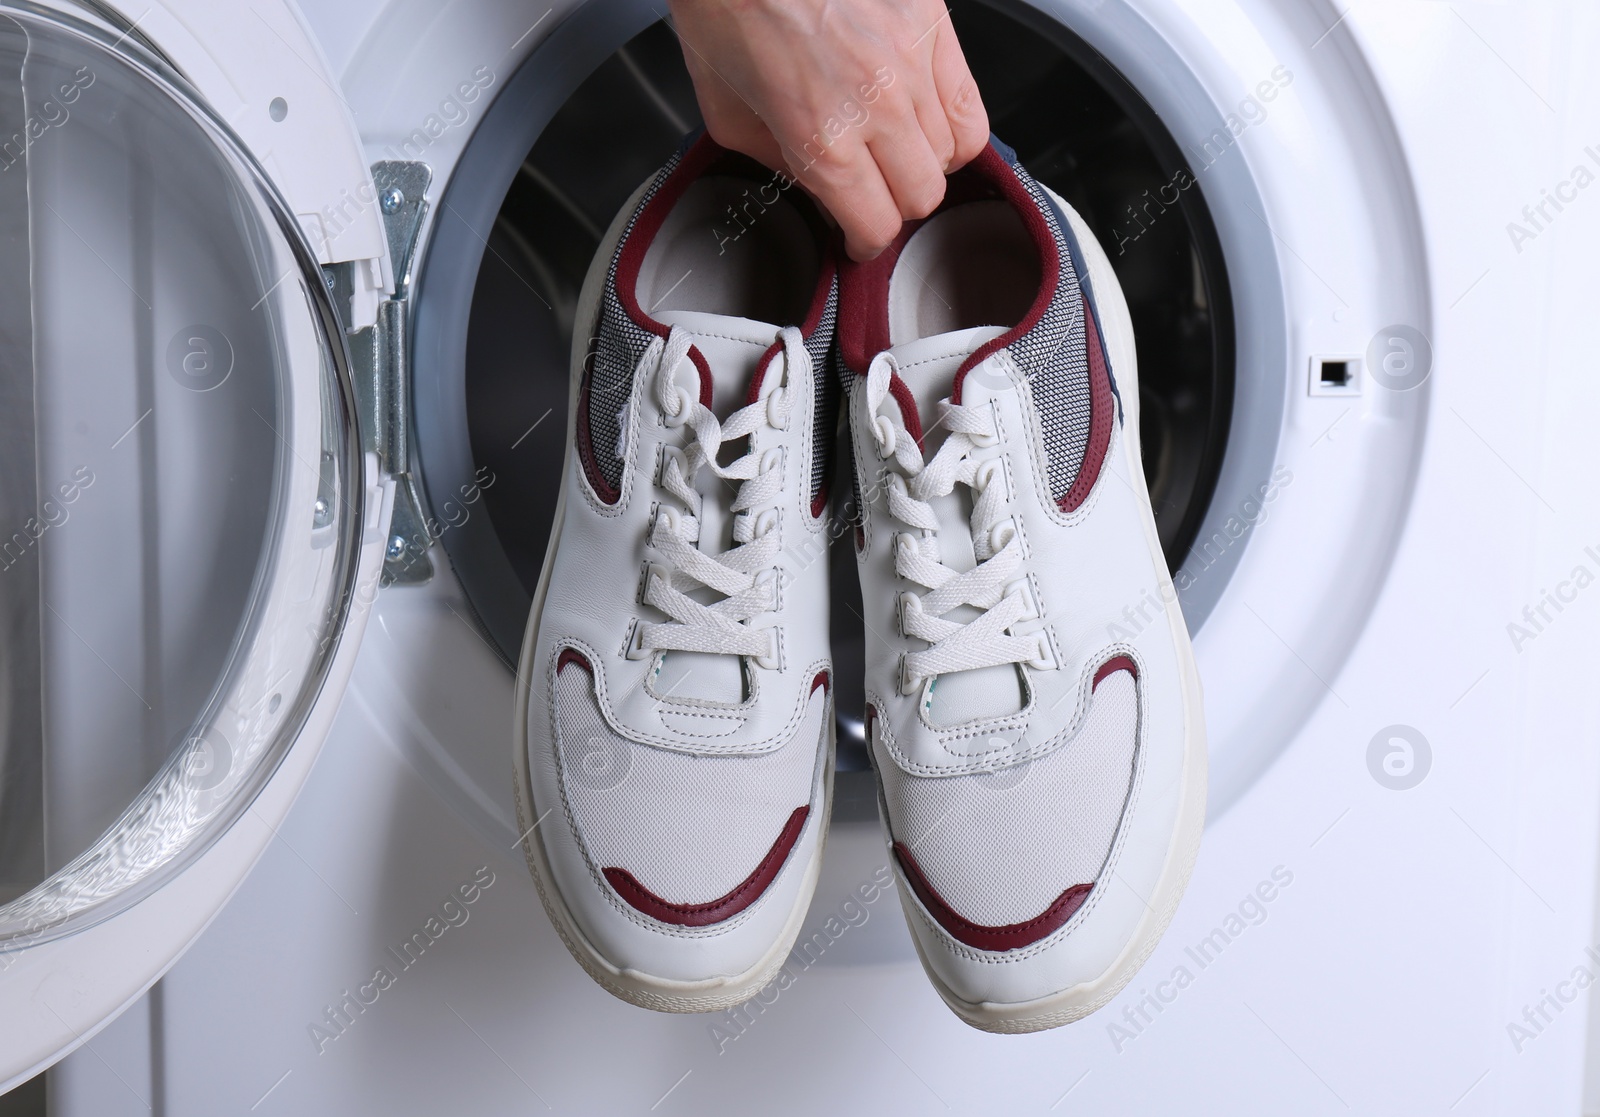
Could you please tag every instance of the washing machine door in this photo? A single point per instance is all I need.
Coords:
(183, 513)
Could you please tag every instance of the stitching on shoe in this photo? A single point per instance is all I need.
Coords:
(779, 737)
(625, 487)
(1068, 732)
(1041, 474)
(618, 904)
(1096, 894)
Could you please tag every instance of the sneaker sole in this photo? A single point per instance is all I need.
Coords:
(1084, 998)
(634, 986)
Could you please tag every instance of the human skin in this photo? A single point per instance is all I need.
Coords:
(867, 103)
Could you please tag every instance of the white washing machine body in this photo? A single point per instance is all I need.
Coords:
(1393, 910)
(183, 607)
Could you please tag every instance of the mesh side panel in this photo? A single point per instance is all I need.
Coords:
(1054, 355)
(618, 346)
(821, 349)
(689, 828)
(854, 513)
(1002, 846)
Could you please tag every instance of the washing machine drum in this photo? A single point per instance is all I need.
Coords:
(503, 346)
(180, 489)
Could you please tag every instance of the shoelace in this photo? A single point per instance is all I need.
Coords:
(992, 584)
(746, 574)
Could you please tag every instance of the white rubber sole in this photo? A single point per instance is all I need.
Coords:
(1084, 998)
(634, 986)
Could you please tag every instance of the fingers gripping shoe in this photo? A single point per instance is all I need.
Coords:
(675, 732)
(1041, 757)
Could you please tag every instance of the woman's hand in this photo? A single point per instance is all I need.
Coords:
(867, 103)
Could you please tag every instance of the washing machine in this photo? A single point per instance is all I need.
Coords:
(290, 291)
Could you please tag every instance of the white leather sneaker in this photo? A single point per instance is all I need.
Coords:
(1041, 759)
(674, 757)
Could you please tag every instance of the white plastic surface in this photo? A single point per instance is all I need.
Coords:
(262, 71)
(58, 994)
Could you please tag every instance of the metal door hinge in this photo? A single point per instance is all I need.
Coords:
(382, 368)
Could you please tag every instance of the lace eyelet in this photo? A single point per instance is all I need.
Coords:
(1024, 589)
(1046, 659)
(773, 577)
(766, 521)
(908, 685)
(654, 574)
(673, 420)
(983, 476)
(636, 649)
(883, 434)
(773, 660)
(1001, 534)
(778, 408)
(772, 459)
(992, 438)
(673, 454)
(908, 603)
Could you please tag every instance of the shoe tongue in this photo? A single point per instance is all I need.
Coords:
(732, 348)
(928, 366)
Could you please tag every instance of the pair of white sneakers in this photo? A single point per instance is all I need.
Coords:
(1041, 762)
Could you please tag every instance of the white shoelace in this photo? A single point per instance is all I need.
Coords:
(746, 574)
(992, 584)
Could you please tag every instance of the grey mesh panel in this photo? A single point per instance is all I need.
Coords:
(620, 343)
(1054, 356)
(618, 346)
(846, 380)
(826, 386)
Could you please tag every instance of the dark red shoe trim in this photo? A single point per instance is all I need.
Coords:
(864, 286)
(761, 371)
(864, 303)
(808, 328)
(991, 167)
(819, 297)
(626, 277)
(1102, 414)
(820, 681)
(819, 503)
(704, 157)
(724, 907)
(698, 359)
(1112, 666)
(572, 655)
(908, 407)
(819, 306)
(1012, 936)
(863, 328)
(647, 224)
